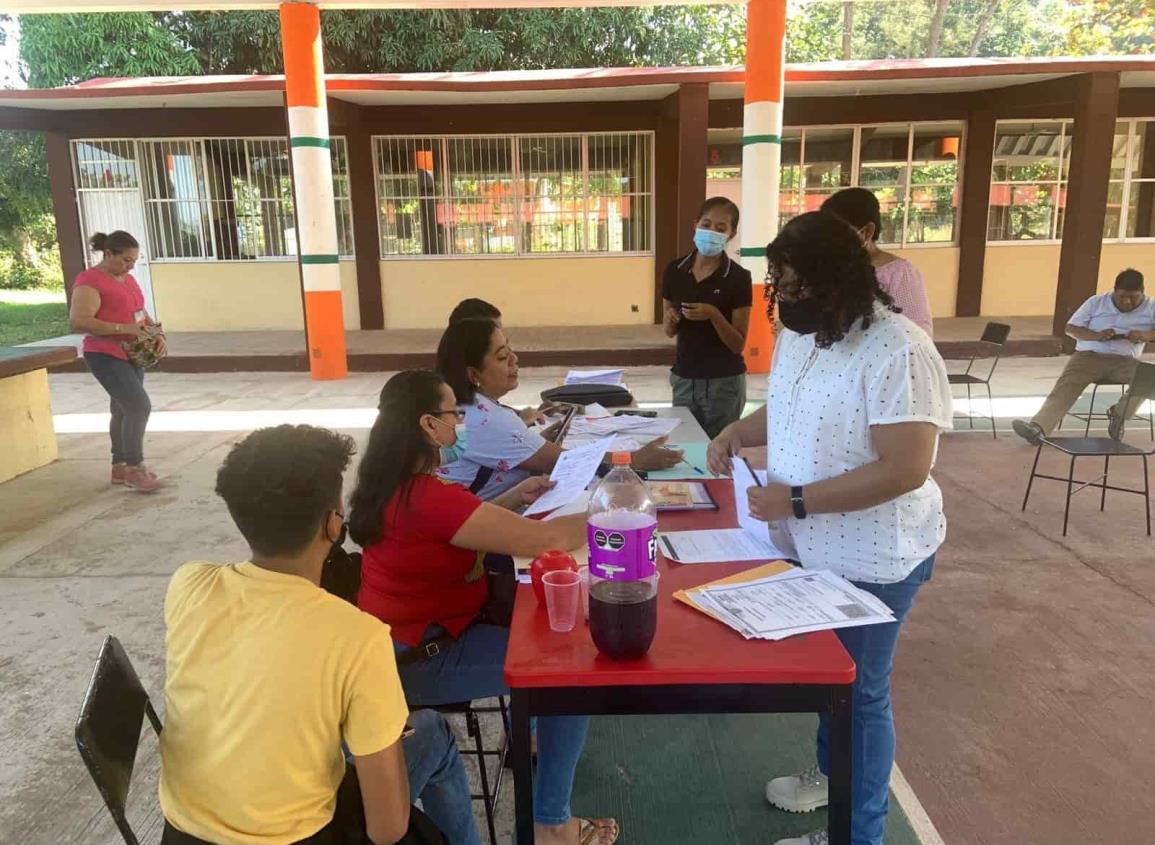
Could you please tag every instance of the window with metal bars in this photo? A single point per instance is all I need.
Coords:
(1131, 191)
(912, 168)
(228, 199)
(588, 193)
(1029, 180)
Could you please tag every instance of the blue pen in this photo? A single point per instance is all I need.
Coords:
(691, 466)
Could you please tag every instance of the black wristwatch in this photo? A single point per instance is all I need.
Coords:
(797, 503)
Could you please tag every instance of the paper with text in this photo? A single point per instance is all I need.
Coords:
(572, 474)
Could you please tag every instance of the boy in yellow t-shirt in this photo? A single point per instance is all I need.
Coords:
(268, 674)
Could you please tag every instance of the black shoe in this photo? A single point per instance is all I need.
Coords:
(1029, 431)
(1114, 424)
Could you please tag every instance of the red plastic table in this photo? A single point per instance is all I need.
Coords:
(696, 665)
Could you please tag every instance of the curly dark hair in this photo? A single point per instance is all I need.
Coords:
(830, 265)
(280, 483)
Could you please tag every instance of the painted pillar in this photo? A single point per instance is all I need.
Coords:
(313, 189)
(1096, 110)
(761, 160)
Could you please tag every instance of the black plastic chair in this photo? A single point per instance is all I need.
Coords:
(990, 347)
(1092, 415)
(471, 711)
(1142, 388)
(108, 729)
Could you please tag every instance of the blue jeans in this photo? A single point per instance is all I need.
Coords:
(872, 731)
(472, 668)
(130, 406)
(437, 777)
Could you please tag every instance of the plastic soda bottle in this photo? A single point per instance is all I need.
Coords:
(623, 542)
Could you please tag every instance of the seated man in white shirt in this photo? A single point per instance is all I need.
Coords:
(1110, 331)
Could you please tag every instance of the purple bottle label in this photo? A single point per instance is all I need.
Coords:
(623, 554)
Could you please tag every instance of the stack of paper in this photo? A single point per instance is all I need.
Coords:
(795, 602)
(629, 432)
(593, 377)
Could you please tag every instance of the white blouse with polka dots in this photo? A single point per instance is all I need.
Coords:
(820, 407)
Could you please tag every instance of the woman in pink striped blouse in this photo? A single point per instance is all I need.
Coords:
(897, 276)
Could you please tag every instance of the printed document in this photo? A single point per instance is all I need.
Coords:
(795, 602)
(717, 545)
(572, 474)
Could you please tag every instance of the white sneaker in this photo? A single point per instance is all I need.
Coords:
(821, 837)
(801, 793)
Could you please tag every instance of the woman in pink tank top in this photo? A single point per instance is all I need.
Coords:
(108, 307)
(897, 276)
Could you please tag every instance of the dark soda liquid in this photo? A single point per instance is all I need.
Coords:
(623, 617)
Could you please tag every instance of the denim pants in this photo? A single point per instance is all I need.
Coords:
(473, 667)
(872, 730)
(129, 405)
(714, 402)
(437, 777)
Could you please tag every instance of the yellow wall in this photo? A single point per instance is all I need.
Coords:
(607, 291)
(1118, 257)
(1020, 280)
(223, 296)
(939, 267)
(26, 424)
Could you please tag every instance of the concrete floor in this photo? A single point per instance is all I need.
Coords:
(1022, 686)
(524, 339)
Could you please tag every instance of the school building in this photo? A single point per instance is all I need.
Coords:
(1018, 187)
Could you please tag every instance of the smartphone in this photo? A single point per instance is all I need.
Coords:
(628, 413)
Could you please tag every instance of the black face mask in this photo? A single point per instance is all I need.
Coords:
(339, 543)
(803, 315)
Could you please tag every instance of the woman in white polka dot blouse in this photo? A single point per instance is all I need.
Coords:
(858, 395)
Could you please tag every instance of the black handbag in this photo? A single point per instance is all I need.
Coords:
(606, 395)
(341, 574)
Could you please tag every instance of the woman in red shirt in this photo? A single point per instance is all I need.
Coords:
(108, 306)
(424, 541)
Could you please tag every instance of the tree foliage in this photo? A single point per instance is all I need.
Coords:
(65, 49)
(472, 40)
(1112, 26)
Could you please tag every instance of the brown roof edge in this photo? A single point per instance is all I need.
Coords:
(595, 77)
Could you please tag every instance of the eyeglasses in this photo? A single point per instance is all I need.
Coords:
(459, 415)
(793, 289)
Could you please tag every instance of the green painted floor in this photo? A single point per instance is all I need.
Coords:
(700, 779)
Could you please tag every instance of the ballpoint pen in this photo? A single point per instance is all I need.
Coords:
(691, 466)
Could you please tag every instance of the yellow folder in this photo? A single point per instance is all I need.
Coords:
(776, 567)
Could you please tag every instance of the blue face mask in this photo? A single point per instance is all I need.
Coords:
(709, 242)
(453, 454)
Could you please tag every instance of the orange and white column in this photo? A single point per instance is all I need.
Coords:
(317, 251)
(761, 160)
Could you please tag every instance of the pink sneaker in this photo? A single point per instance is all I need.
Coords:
(118, 473)
(139, 478)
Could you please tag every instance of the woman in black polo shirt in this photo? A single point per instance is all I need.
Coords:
(707, 298)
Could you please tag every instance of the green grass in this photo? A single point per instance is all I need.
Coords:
(28, 315)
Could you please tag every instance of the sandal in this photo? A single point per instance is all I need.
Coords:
(589, 831)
